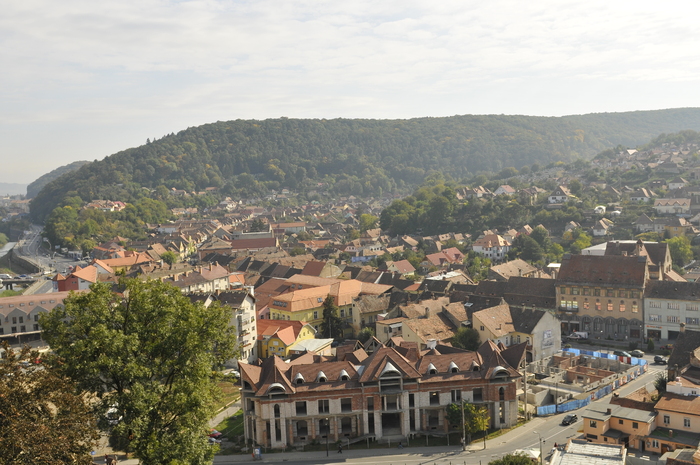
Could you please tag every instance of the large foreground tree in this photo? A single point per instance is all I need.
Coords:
(43, 418)
(476, 418)
(148, 352)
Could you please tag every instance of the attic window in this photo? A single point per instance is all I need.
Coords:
(389, 370)
(344, 375)
(500, 372)
(432, 370)
(299, 379)
(276, 388)
(321, 378)
(453, 367)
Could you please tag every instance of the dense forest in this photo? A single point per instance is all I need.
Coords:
(38, 184)
(360, 157)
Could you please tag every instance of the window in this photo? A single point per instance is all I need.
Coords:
(456, 395)
(346, 405)
(673, 305)
(654, 443)
(667, 419)
(692, 307)
(36, 327)
(301, 408)
(622, 306)
(435, 398)
(593, 424)
(610, 306)
(635, 425)
(609, 293)
(22, 329)
(563, 291)
(411, 400)
(342, 313)
(586, 305)
(14, 320)
(482, 328)
(672, 319)
(635, 294)
(622, 294)
(686, 422)
(574, 291)
(36, 317)
(586, 291)
(597, 306)
(574, 304)
(316, 315)
(692, 321)
(478, 395)
(323, 406)
(370, 404)
(320, 299)
(635, 307)
(275, 343)
(653, 304)
(596, 292)
(14, 329)
(620, 421)
(655, 318)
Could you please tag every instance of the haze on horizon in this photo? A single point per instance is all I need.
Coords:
(82, 80)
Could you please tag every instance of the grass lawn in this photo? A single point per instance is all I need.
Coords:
(231, 393)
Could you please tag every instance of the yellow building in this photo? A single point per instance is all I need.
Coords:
(275, 337)
(614, 424)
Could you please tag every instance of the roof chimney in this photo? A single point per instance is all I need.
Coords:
(670, 433)
(427, 312)
(431, 344)
(609, 411)
(682, 327)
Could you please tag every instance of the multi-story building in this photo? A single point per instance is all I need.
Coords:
(492, 246)
(668, 305)
(614, 424)
(385, 394)
(19, 315)
(602, 295)
(275, 337)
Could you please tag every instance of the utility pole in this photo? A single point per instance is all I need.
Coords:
(464, 441)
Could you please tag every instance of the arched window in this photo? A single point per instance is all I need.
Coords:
(277, 410)
(501, 394)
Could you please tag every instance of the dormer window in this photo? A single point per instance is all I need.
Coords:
(321, 378)
(432, 370)
(453, 367)
(299, 379)
(344, 375)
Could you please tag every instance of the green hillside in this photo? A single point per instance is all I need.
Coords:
(35, 187)
(363, 157)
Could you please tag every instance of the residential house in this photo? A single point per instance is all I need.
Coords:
(560, 195)
(602, 295)
(310, 399)
(509, 326)
(492, 246)
(504, 190)
(79, 280)
(403, 267)
(366, 310)
(672, 206)
(275, 337)
(207, 279)
(615, 424)
(504, 271)
(601, 227)
(677, 183)
(642, 195)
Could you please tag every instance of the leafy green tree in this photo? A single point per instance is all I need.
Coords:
(526, 248)
(3, 239)
(650, 345)
(476, 418)
(332, 325)
(169, 257)
(575, 187)
(149, 352)
(43, 418)
(680, 250)
(368, 221)
(512, 459)
(466, 338)
(258, 225)
(365, 334)
(660, 382)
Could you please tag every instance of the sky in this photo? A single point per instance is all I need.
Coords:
(83, 79)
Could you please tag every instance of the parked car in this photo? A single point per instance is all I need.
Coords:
(570, 419)
(215, 434)
(667, 347)
(659, 360)
(621, 353)
(214, 441)
(637, 353)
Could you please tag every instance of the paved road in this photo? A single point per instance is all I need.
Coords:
(30, 247)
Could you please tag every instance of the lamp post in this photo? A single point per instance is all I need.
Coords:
(541, 441)
(328, 433)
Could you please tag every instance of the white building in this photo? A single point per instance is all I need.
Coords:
(492, 246)
(668, 305)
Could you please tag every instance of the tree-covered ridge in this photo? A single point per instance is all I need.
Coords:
(362, 157)
(35, 187)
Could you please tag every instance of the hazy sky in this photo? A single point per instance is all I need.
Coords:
(81, 80)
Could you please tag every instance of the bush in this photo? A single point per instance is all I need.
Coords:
(650, 346)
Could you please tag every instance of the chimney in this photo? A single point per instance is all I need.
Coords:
(670, 433)
(427, 312)
(609, 411)
(431, 344)
(682, 327)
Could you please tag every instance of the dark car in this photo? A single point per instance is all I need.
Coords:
(621, 353)
(637, 353)
(659, 360)
(570, 419)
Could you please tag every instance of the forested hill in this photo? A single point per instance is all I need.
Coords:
(38, 184)
(363, 157)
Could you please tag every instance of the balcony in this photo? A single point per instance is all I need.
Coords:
(568, 309)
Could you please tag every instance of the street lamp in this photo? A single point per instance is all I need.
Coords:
(328, 433)
(541, 441)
